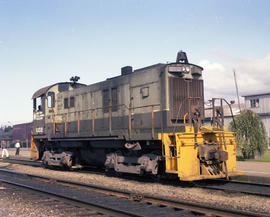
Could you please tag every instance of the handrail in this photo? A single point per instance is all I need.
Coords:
(93, 112)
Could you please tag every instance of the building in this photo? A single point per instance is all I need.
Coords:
(228, 113)
(260, 104)
(6, 134)
(22, 132)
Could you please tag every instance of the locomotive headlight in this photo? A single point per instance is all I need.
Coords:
(187, 69)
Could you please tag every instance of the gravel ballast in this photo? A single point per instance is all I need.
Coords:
(14, 203)
(189, 194)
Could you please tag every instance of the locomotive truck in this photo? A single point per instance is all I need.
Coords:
(144, 121)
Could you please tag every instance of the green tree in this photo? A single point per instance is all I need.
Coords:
(251, 134)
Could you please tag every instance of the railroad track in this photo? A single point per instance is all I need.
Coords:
(214, 184)
(22, 162)
(235, 187)
(119, 202)
(60, 206)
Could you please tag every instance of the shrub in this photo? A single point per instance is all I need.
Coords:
(251, 134)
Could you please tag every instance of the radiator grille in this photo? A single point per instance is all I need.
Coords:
(180, 90)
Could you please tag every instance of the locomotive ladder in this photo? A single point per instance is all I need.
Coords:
(218, 121)
(171, 155)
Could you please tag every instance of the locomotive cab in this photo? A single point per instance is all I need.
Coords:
(44, 108)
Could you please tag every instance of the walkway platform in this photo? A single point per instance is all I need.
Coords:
(258, 172)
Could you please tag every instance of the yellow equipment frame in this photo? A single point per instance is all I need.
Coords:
(34, 153)
(181, 153)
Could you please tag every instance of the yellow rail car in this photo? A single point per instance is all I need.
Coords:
(209, 153)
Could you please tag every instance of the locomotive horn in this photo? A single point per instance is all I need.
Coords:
(181, 57)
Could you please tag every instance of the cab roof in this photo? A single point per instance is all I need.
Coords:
(44, 90)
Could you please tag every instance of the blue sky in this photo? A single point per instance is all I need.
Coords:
(44, 42)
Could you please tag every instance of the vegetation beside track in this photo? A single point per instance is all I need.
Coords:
(264, 158)
(251, 135)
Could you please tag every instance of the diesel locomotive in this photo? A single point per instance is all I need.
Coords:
(144, 121)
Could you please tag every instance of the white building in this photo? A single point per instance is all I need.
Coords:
(228, 113)
(260, 104)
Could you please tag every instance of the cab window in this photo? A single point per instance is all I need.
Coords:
(37, 104)
(51, 100)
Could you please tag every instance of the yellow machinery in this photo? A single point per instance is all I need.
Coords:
(34, 153)
(201, 152)
(194, 162)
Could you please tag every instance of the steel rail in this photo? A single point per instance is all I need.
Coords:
(99, 207)
(263, 189)
(23, 162)
(162, 201)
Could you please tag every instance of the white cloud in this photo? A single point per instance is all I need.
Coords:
(253, 76)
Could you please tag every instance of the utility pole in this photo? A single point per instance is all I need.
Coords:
(236, 87)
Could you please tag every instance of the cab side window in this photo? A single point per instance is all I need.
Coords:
(51, 99)
(37, 104)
